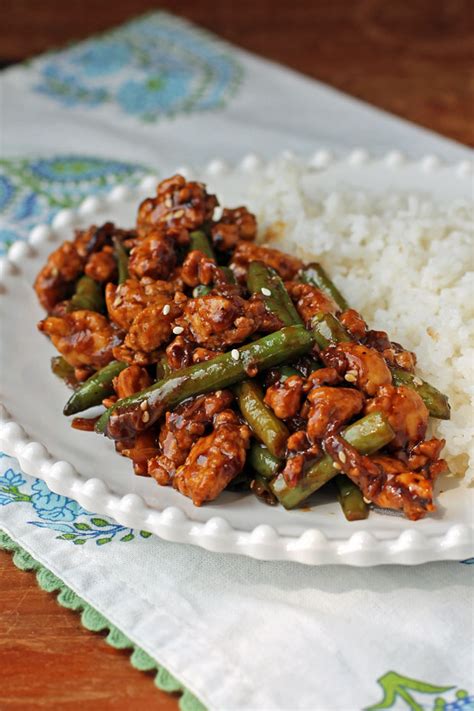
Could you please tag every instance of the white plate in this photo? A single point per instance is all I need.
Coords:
(86, 468)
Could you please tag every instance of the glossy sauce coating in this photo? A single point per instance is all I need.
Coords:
(161, 321)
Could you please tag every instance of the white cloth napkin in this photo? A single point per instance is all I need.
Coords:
(242, 635)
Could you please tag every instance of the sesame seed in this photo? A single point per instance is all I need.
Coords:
(179, 213)
(417, 381)
(177, 330)
(166, 309)
(117, 302)
(350, 376)
(145, 416)
(366, 501)
(337, 466)
(144, 405)
(342, 457)
(265, 291)
(235, 354)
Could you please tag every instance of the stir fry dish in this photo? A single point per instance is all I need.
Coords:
(224, 364)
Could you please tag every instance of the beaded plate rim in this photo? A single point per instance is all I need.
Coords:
(312, 547)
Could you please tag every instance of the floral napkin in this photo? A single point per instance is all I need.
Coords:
(240, 634)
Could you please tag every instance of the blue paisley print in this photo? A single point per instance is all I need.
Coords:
(152, 68)
(33, 191)
(58, 513)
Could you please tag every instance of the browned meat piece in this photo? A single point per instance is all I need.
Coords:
(265, 320)
(102, 266)
(397, 356)
(309, 301)
(182, 428)
(403, 490)
(128, 355)
(65, 265)
(154, 256)
(233, 226)
(426, 454)
(378, 340)
(396, 487)
(82, 372)
(201, 355)
(405, 411)
(216, 321)
(126, 301)
(179, 353)
(82, 337)
(285, 397)
(360, 365)
(131, 380)
(214, 460)
(95, 238)
(330, 409)
(393, 353)
(147, 309)
(179, 206)
(298, 442)
(199, 269)
(385, 481)
(56, 279)
(300, 454)
(151, 328)
(354, 323)
(109, 401)
(141, 450)
(246, 252)
(323, 376)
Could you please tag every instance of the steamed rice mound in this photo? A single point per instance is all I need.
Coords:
(404, 262)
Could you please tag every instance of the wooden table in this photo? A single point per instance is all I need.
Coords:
(414, 58)
(411, 57)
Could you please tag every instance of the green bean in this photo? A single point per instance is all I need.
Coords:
(162, 368)
(262, 421)
(222, 371)
(351, 499)
(328, 330)
(63, 370)
(88, 295)
(199, 240)
(262, 279)
(95, 389)
(436, 402)
(121, 257)
(201, 290)
(262, 461)
(315, 275)
(261, 488)
(367, 435)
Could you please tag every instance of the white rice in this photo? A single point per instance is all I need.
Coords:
(405, 262)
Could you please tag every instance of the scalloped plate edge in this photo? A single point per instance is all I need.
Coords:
(312, 547)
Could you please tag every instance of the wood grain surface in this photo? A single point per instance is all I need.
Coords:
(414, 58)
(49, 661)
